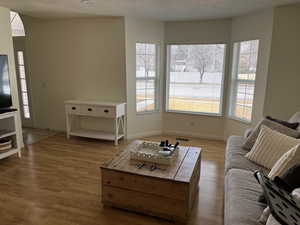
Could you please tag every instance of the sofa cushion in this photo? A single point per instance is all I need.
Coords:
(235, 156)
(241, 194)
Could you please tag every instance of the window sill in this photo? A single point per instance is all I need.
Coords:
(147, 112)
(247, 122)
(195, 113)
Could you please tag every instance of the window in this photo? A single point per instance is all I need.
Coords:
(16, 25)
(146, 77)
(243, 79)
(195, 78)
(23, 84)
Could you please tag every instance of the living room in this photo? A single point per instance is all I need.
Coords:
(194, 73)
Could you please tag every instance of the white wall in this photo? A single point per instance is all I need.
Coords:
(6, 47)
(282, 99)
(254, 26)
(74, 59)
(140, 30)
(86, 58)
(202, 32)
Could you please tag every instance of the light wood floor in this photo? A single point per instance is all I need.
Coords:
(56, 182)
(33, 135)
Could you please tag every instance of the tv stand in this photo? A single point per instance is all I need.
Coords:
(8, 129)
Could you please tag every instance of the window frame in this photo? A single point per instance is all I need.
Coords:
(156, 79)
(234, 81)
(167, 86)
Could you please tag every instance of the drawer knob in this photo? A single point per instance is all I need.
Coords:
(89, 109)
(106, 110)
(73, 108)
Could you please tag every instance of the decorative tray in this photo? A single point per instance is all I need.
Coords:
(152, 152)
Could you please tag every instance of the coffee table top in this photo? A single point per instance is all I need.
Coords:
(181, 170)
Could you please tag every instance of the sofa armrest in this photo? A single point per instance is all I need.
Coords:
(247, 132)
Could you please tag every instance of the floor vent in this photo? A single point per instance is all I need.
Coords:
(182, 139)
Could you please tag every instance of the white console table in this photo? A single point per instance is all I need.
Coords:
(76, 109)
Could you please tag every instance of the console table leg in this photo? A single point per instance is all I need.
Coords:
(116, 130)
(124, 127)
(68, 124)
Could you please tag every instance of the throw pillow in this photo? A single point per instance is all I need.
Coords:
(272, 221)
(284, 123)
(295, 119)
(290, 178)
(270, 146)
(264, 216)
(286, 161)
(296, 194)
(250, 141)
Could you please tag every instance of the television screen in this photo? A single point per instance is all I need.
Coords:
(5, 92)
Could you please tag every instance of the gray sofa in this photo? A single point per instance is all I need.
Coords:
(241, 189)
(241, 206)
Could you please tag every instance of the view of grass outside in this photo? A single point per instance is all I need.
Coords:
(243, 108)
(196, 78)
(145, 95)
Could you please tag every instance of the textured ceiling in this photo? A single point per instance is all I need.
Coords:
(154, 9)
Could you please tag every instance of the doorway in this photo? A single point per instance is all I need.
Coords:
(18, 33)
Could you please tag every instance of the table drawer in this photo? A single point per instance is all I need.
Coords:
(73, 109)
(89, 110)
(109, 112)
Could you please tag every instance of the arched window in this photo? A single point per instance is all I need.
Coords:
(16, 25)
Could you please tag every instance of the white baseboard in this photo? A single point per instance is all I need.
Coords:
(144, 134)
(193, 135)
(174, 133)
(167, 132)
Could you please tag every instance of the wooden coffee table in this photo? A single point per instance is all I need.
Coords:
(168, 192)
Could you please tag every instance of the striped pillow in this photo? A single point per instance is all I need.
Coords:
(270, 146)
(250, 141)
(288, 160)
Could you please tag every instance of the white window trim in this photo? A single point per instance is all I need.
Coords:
(157, 80)
(234, 82)
(221, 113)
